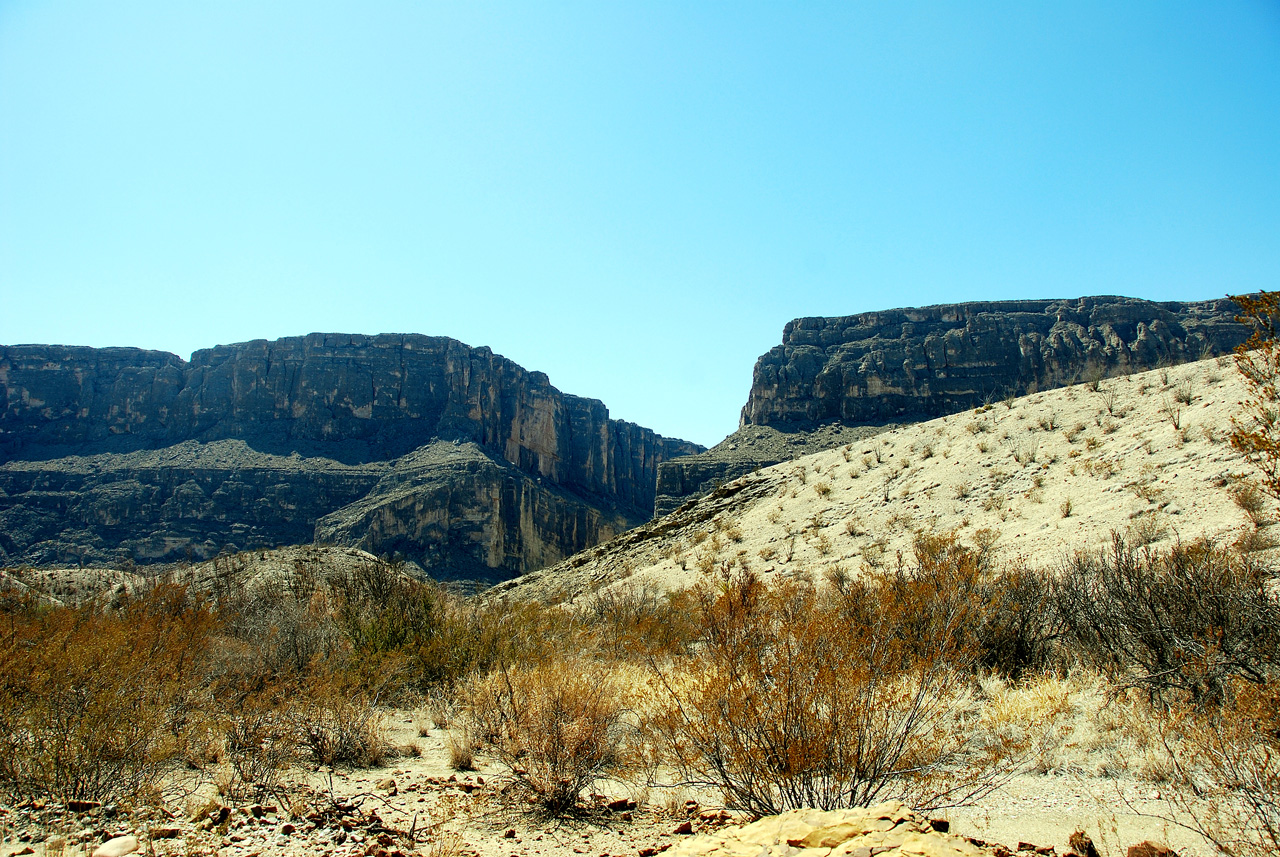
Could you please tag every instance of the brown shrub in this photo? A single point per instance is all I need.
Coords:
(261, 737)
(97, 705)
(340, 727)
(1256, 432)
(797, 698)
(557, 726)
(461, 745)
(638, 621)
(1228, 760)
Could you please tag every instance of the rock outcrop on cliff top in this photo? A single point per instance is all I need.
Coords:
(898, 366)
(451, 456)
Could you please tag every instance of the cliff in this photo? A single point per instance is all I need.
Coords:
(120, 452)
(907, 365)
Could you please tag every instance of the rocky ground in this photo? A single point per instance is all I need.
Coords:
(417, 804)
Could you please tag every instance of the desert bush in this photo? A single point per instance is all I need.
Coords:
(283, 627)
(404, 636)
(558, 726)
(637, 621)
(1187, 620)
(798, 697)
(338, 727)
(992, 616)
(262, 738)
(97, 705)
(1228, 760)
(1256, 432)
(1017, 632)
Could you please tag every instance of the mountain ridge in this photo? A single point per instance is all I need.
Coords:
(309, 403)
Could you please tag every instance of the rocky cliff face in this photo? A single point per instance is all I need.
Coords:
(911, 364)
(117, 451)
(905, 365)
(450, 506)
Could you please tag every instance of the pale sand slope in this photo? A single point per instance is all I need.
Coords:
(1129, 457)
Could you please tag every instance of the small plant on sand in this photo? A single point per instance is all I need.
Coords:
(1251, 500)
(1184, 392)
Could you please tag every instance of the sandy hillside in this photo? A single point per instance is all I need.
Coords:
(1038, 477)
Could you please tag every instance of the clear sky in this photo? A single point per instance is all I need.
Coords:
(631, 197)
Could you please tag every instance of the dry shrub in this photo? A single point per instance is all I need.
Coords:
(460, 743)
(1256, 432)
(637, 621)
(1016, 630)
(843, 697)
(1251, 501)
(97, 705)
(1229, 759)
(338, 727)
(1187, 620)
(261, 738)
(557, 726)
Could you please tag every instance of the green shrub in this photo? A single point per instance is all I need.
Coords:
(1186, 621)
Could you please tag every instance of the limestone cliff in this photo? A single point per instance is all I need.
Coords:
(117, 451)
(910, 364)
(905, 365)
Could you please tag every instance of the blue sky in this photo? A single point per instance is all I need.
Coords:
(631, 197)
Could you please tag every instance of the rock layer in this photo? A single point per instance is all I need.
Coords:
(905, 365)
(121, 451)
(912, 364)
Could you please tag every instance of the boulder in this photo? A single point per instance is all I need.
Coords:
(117, 847)
(885, 829)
